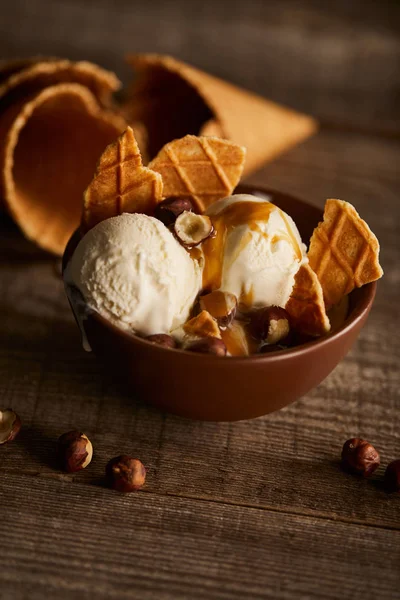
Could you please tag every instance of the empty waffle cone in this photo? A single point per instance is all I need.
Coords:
(174, 99)
(204, 168)
(32, 75)
(120, 184)
(306, 305)
(343, 251)
(52, 146)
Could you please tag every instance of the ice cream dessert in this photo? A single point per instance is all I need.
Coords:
(204, 270)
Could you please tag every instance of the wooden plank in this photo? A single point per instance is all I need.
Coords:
(286, 461)
(337, 60)
(100, 544)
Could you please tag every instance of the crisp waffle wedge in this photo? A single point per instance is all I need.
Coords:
(204, 168)
(306, 306)
(202, 325)
(120, 184)
(344, 253)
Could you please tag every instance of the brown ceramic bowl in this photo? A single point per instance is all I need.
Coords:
(206, 387)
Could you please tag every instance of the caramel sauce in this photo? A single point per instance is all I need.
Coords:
(237, 340)
(235, 215)
(215, 304)
(246, 299)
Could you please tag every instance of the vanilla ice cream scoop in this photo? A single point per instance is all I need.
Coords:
(256, 252)
(132, 270)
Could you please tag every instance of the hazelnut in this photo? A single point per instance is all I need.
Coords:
(75, 451)
(392, 476)
(221, 305)
(192, 229)
(162, 339)
(125, 474)
(270, 324)
(208, 345)
(202, 325)
(10, 424)
(168, 210)
(360, 457)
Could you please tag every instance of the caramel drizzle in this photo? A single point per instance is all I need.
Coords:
(235, 215)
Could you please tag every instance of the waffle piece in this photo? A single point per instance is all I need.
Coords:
(202, 325)
(306, 306)
(204, 168)
(53, 142)
(173, 98)
(120, 184)
(344, 253)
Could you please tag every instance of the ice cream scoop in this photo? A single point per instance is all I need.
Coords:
(132, 270)
(255, 252)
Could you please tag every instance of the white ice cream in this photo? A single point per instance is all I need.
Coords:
(132, 270)
(260, 249)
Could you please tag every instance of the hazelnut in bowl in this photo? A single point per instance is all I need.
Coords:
(201, 374)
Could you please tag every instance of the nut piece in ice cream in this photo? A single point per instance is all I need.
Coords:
(192, 229)
(75, 451)
(202, 325)
(120, 184)
(133, 271)
(168, 210)
(270, 324)
(221, 305)
(162, 339)
(10, 425)
(208, 345)
(125, 474)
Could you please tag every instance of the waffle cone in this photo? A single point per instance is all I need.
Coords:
(306, 306)
(343, 251)
(53, 142)
(204, 168)
(25, 79)
(174, 99)
(121, 183)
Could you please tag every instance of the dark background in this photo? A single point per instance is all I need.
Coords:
(338, 60)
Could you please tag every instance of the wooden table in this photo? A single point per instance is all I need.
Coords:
(256, 509)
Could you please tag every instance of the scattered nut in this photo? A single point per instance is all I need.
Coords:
(392, 476)
(75, 451)
(192, 229)
(10, 424)
(360, 457)
(162, 339)
(168, 210)
(221, 305)
(270, 324)
(125, 474)
(202, 325)
(208, 345)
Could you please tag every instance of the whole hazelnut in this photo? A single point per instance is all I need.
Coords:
(75, 451)
(208, 345)
(125, 474)
(10, 424)
(360, 457)
(162, 339)
(392, 476)
(269, 324)
(168, 210)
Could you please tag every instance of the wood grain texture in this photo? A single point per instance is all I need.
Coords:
(256, 509)
(339, 61)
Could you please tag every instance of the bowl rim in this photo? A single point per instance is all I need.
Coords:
(367, 293)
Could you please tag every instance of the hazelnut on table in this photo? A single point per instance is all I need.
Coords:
(75, 451)
(360, 457)
(125, 474)
(10, 425)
